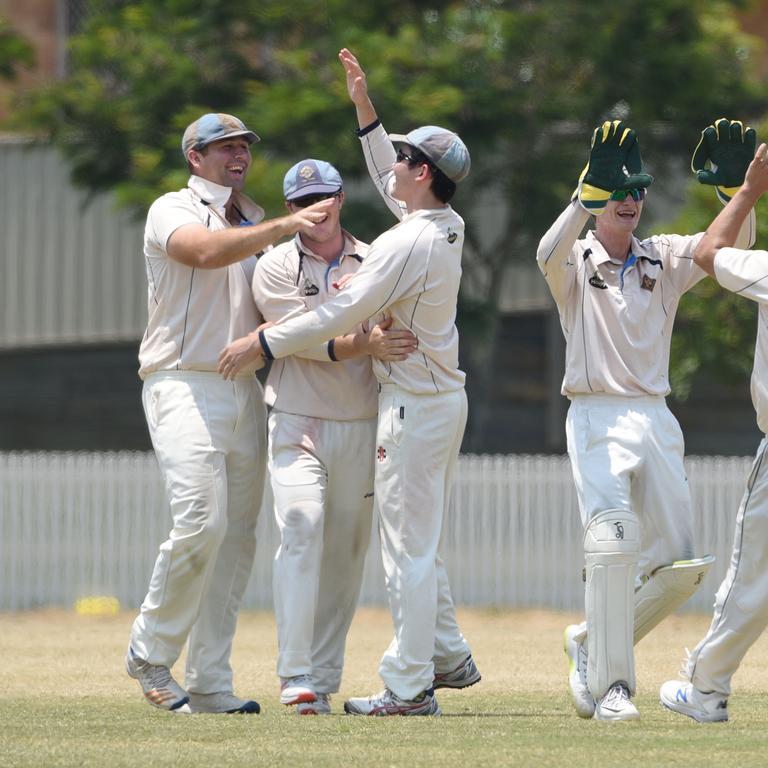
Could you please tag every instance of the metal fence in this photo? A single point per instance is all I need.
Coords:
(78, 524)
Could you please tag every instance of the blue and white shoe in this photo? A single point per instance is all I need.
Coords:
(683, 698)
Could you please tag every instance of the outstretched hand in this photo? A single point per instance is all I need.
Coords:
(357, 86)
(305, 219)
(757, 173)
(723, 154)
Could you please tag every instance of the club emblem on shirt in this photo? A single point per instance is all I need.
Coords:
(596, 281)
(452, 236)
(647, 283)
(310, 289)
(381, 453)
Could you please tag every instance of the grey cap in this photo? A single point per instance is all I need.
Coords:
(212, 127)
(444, 148)
(311, 177)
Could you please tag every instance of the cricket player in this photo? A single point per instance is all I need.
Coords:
(209, 435)
(412, 272)
(322, 441)
(617, 297)
(741, 603)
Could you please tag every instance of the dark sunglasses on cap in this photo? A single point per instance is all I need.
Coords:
(621, 194)
(303, 202)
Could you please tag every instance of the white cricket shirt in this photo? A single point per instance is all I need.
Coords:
(288, 281)
(412, 272)
(194, 313)
(618, 321)
(746, 273)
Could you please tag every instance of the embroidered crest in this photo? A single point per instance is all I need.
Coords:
(310, 289)
(306, 172)
(596, 281)
(452, 236)
(648, 283)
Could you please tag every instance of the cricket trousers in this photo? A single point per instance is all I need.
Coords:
(741, 603)
(321, 471)
(209, 437)
(418, 440)
(627, 454)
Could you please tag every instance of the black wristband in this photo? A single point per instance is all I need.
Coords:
(265, 347)
(360, 132)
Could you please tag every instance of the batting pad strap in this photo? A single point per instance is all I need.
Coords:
(666, 589)
(612, 552)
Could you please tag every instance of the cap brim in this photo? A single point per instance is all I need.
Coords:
(313, 189)
(398, 138)
(250, 137)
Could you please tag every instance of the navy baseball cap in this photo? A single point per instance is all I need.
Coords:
(311, 177)
(212, 127)
(444, 148)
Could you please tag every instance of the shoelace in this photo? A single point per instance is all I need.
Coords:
(616, 695)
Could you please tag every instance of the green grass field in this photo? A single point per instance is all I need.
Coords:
(66, 701)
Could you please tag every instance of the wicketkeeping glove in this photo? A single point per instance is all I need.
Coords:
(614, 163)
(728, 147)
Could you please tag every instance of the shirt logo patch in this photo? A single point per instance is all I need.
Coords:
(596, 281)
(647, 283)
(452, 236)
(310, 289)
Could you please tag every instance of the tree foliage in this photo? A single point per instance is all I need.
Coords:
(522, 82)
(15, 52)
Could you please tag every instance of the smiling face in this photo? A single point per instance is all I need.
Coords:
(329, 228)
(224, 162)
(620, 216)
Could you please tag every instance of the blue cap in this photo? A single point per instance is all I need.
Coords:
(311, 177)
(212, 127)
(444, 148)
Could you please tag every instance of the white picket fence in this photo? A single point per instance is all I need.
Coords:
(77, 524)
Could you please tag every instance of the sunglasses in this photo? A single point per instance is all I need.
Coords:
(303, 202)
(621, 194)
(415, 159)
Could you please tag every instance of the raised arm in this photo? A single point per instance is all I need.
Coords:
(377, 148)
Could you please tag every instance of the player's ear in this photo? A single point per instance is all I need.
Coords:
(341, 198)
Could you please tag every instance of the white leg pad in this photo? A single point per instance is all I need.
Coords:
(612, 552)
(666, 589)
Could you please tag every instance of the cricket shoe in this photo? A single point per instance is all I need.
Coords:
(320, 706)
(463, 676)
(222, 703)
(160, 689)
(389, 703)
(574, 643)
(703, 707)
(297, 690)
(616, 705)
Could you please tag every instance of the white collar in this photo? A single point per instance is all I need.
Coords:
(210, 191)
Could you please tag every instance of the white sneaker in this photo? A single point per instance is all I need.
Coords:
(320, 706)
(703, 707)
(160, 689)
(297, 690)
(616, 705)
(389, 703)
(222, 703)
(574, 644)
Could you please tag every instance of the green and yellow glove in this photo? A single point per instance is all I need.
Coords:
(728, 147)
(614, 163)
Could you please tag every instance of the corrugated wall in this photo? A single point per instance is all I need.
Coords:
(71, 269)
